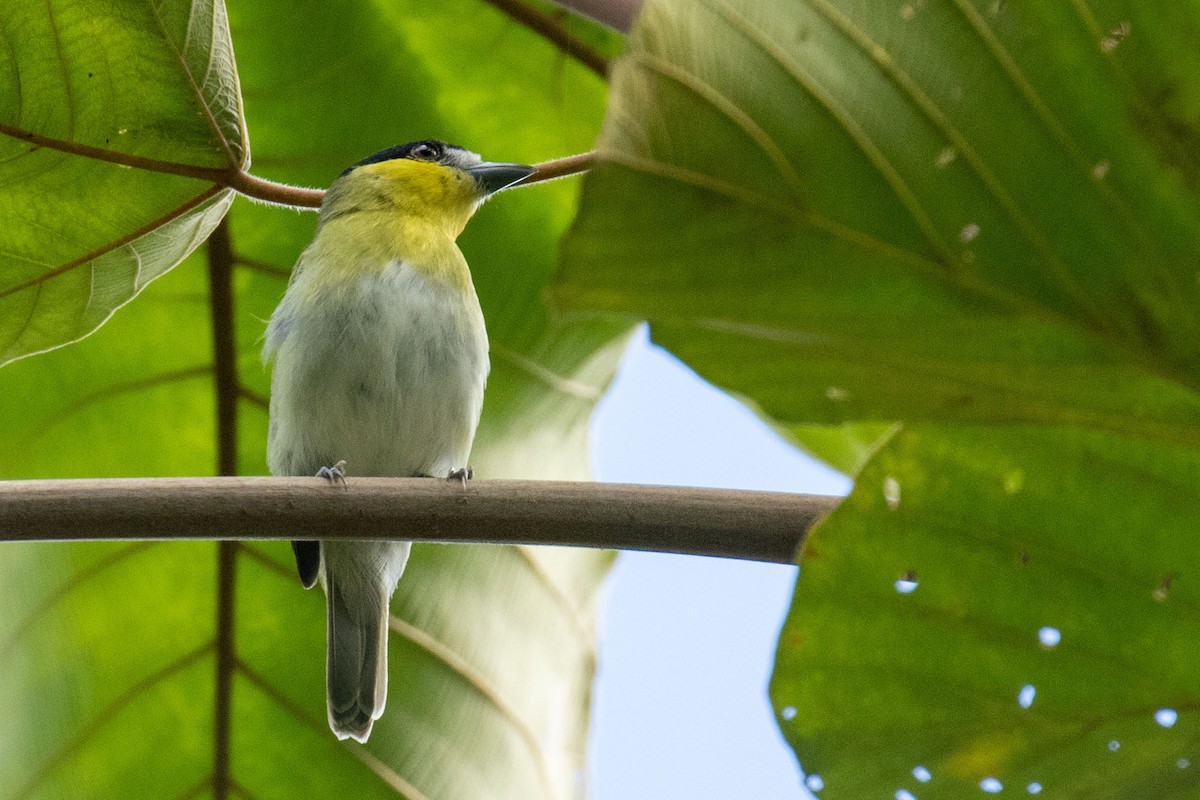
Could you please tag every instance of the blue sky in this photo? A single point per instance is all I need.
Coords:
(687, 642)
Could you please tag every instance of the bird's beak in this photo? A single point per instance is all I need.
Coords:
(493, 177)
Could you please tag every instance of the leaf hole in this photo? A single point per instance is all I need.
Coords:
(1049, 637)
(907, 583)
(1166, 717)
(891, 492)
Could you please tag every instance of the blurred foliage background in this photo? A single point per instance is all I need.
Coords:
(950, 246)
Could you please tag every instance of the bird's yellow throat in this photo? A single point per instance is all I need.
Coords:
(399, 210)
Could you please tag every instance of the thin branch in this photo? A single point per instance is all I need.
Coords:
(240, 181)
(761, 526)
(559, 168)
(616, 14)
(223, 177)
(555, 32)
(210, 174)
(280, 194)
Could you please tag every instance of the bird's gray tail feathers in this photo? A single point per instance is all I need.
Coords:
(356, 672)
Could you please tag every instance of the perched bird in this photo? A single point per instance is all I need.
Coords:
(381, 357)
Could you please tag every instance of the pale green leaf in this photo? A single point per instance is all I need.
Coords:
(492, 648)
(85, 90)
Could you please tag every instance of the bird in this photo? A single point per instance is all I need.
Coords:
(380, 362)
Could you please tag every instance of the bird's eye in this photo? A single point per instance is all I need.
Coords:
(426, 152)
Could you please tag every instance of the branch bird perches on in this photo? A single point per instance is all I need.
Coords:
(759, 526)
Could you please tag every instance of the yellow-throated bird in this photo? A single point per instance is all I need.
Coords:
(380, 362)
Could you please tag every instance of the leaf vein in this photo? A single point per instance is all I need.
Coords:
(74, 582)
(869, 148)
(725, 106)
(940, 120)
(108, 714)
(368, 759)
(68, 90)
(234, 162)
(477, 681)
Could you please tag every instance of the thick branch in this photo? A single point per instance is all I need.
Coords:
(760, 526)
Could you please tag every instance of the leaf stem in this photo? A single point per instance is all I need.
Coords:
(560, 168)
(243, 182)
(616, 14)
(555, 32)
(761, 526)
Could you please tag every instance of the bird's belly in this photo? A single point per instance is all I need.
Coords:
(389, 378)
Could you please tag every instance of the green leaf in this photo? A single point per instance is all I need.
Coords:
(87, 89)
(948, 210)
(958, 212)
(1003, 536)
(492, 648)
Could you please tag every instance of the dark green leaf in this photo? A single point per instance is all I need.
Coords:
(1002, 535)
(940, 210)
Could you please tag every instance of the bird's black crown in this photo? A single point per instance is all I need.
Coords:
(424, 150)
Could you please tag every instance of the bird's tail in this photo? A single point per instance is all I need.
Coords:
(356, 672)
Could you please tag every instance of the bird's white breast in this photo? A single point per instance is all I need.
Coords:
(387, 373)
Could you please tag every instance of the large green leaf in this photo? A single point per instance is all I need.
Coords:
(949, 210)
(1000, 538)
(86, 89)
(941, 211)
(492, 647)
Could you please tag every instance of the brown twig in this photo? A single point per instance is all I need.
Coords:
(560, 168)
(239, 180)
(554, 31)
(280, 194)
(762, 526)
(616, 14)
(243, 182)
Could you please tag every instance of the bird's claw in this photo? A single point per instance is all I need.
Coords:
(462, 475)
(335, 474)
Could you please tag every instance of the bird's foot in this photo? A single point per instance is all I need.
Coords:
(462, 475)
(334, 474)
